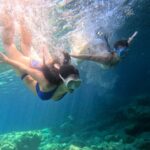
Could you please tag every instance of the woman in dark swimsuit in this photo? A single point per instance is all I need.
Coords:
(50, 80)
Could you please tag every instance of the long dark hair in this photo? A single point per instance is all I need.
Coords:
(66, 70)
(121, 43)
(52, 74)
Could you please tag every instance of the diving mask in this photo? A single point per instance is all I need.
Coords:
(121, 51)
(71, 82)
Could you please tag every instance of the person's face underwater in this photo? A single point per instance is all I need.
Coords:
(121, 51)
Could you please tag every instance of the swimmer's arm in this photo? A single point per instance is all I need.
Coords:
(37, 75)
(81, 56)
(96, 58)
(130, 39)
(107, 43)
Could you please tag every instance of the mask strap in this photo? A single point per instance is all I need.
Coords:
(61, 77)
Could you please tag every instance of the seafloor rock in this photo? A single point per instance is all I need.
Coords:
(133, 129)
(140, 105)
(28, 141)
(101, 135)
(143, 100)
(46, 135)
(138, 114)
(86, 148)
(76, 140)
(73, 147)
(107, 146)
(145, 145)
(54, 146)
(128, 139)
(8, 146)
(112, 138)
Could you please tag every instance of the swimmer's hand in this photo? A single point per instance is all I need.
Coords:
(3, 58)
(74, 54)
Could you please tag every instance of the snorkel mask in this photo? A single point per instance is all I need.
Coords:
(121, 51)
(71, 82)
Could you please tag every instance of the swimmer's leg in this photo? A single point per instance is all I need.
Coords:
(8, 39)
(30, 83)
(26, 38)
(12, 52)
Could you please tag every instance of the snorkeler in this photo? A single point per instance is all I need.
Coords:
(47, 79)
(112, 56)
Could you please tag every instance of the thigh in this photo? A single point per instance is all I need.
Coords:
(30, 83)
(15, 54)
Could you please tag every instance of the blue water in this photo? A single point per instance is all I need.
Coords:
(102, 91)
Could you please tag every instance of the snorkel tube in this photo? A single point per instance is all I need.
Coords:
(130, 39)
(121, 47)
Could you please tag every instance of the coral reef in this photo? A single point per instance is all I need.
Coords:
(130, 132)
(138, 114)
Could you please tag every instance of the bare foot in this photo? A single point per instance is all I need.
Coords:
(6, 19)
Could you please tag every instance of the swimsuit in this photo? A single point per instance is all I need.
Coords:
(35, 64)
(43, 95)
